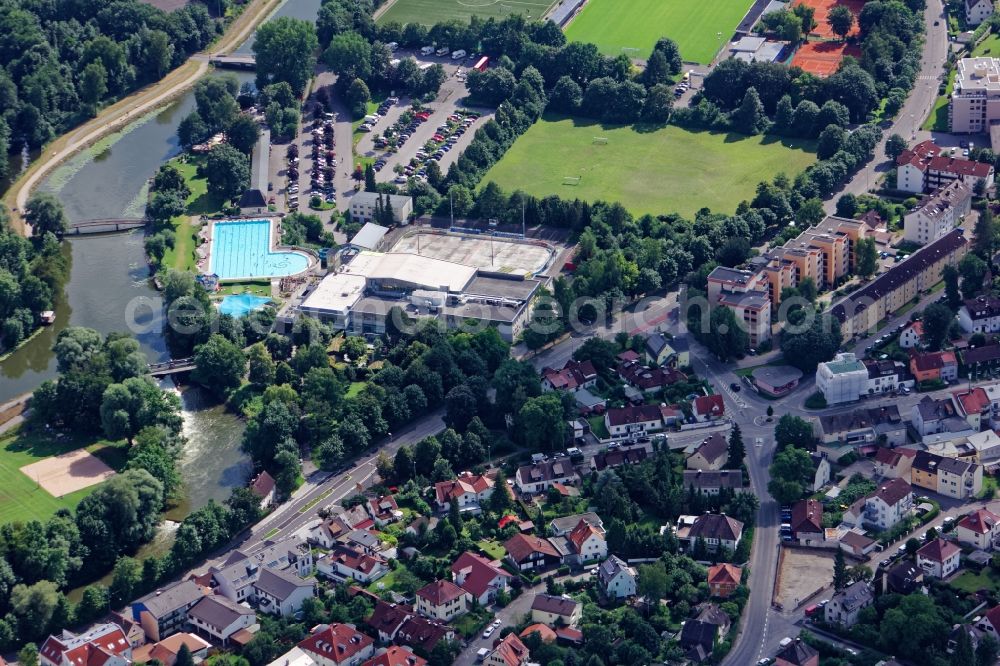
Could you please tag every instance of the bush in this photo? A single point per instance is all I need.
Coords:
(816, 401)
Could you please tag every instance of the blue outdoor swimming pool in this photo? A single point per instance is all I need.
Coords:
(242, 249)
(240, 305)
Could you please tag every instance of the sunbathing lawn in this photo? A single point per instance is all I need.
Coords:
(199, 202)
(667, 170)
(699, 28)
(21, 499)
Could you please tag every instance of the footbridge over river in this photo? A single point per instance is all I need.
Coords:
(105, 226)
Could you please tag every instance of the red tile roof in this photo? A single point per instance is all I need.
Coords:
(933, 360)
(959, 166)
(711, 405)
(938, 550)
(388, 618)
(544, 632)
(520, 546)
(262, 485)
(972, 402)
(92, 648)
(478, 571)
(395, 656)
(440, 592)
(512, 651)
(807, 516)
(981, 521)
(465, 483)
(336, 642)
(724, 574)
(581, 533)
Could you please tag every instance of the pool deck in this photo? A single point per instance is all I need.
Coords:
(207, 233)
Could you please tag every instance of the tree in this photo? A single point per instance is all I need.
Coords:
(839, 571)
(671, 52)
(262, 366)
(193, 130)
(541, 422)
(749, 117)
(93, 85)
(866, 261)
(841, 20)
(794, 431)
(228, 172)
(789, 471)
(45, 215)
(894, 145)
(657, 70)
(125, 581)
(805, 348)
(284, 49)
(831, 139)
(243, 133)
(184, 657)
(28, 655)
(937, 319)
(727, 336)
(810, 212)
(950, 277)
(219, 364)
(985, 235)
(986, 653)
(566, 96)
(736, 448)
(357, 98)
(137, 403)
(33, 606)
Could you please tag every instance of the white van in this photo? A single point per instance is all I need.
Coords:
(427, 50)
(458, 55)
(371, 118)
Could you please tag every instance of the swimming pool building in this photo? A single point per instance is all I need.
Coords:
(360, 295)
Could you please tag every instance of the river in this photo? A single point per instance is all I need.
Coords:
(108, 288)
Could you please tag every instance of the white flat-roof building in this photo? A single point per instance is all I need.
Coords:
(975, 100)
(364, 205)
(370, 237)
(844, 379)
(361, 294)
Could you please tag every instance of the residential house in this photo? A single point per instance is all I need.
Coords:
(864, 428)
(422, 633)
(712, 482)
(912, 336)
(588, 543)
(421, 524)
(856, 544)
(821, 470)
(904, 578)
(979, 529)
(346, 563)
(723, 579)
(530, 553)
(938, 558)
(862, 310)
(845, 605)
(564, 525)
(165, 611)
(479, 577)
(807, 522)
(103, 644)
(937, 214)
(469, 490)
(980, 315)
(133, 630)
(661, 351)
(509, 652)
(930, 416)
(648, 380)
(953, 477)
(699, 636)
(387, 619)
(367, 541)
(539, 477)
(716, 530)
(545, 633)
(281, 592)
(884, 508)
(552, 610)
(981, 362)
(442, 600)
(236, 577)
(383, 510)
(394, 655)
(573, 377)
(218, 618)
(886, 376)
(167, 650)
(893, 463)
(977, 11)
(329, 532)
(633, 420)
(264, 488)
(974, 406)
(990, 623)
(337, 645)
(617, 579)
(934, 366)
(626, 455)
(797, 653)
(708, 407)
(711, 454)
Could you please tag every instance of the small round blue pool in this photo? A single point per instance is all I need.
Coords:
(240, 305)
(242, 249)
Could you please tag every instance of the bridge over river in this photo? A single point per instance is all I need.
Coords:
(105, 226)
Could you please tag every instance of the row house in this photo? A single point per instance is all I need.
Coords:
(103, 644)
(981, 361)
(934, 366)
(633, 420)
(864, 428)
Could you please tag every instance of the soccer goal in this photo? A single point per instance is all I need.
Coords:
(571, 180)
(601, 140)
(630, 51)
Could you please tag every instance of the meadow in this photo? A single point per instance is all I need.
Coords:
(429, 12)
(699, 29)
(656, 170)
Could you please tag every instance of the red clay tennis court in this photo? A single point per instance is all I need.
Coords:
(822, 10)
(823, 58)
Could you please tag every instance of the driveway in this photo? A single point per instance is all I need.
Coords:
(509, 615)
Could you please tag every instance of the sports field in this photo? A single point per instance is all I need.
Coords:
(429, 12)
(21, 497)
(669, 170)
(699, 28)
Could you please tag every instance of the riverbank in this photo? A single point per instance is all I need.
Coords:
(129, 108)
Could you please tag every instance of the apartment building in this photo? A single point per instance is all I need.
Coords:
(844, 379)
(927, 166)
(866, 307)
(975, 100)
(364, 205)
(938, 213)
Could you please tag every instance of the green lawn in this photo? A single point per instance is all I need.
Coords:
(667, 170)
(598, 427)
(355, 389)
(429, 12)
(492, 548)
(699, 29)
(938, 119)
(20, 497)
(199, 202)
(969, 582)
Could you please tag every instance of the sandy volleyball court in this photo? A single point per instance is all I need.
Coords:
(61, 475)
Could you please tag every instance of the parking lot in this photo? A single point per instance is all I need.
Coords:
(447, 104)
